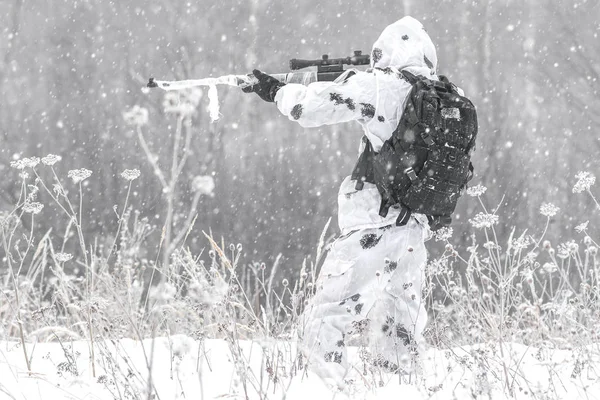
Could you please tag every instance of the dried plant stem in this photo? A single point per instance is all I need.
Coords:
(594, 198)
(151, 158)
(13, 276)
(112, 247)
(90, 273)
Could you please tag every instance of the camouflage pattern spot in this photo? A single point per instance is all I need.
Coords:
(390, 267)
(369, 240)
(358, 308)
(386, 327)
(381, 118)
(354, 297)
(340, 343)
(336, 98)
(350, 104)
(333, 356)
(405, 37)
(403, 334)
(376, 55)
(367, 110)
(381, 362)
(359, 327)
(297, 111)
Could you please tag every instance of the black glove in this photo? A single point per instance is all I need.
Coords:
(266, 88)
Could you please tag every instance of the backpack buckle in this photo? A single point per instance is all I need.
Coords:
(411, 174)
(427, 137)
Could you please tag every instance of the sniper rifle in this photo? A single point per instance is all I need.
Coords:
(328, 69)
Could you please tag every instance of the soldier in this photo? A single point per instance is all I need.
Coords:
(371, 280)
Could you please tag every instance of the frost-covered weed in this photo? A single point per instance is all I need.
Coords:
(136, 116)
(108, 292)
(484, 220)
(585, 181)
(79, 175)
(130, 174)
(51, 159)
(523, 290)
(549, 209)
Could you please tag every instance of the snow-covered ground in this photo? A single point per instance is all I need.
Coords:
(183, 368)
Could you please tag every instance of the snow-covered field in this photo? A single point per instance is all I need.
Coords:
(517, 318)
(179, 367)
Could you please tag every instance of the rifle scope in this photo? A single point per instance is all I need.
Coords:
(326, 63)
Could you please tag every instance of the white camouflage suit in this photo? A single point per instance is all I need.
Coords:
(371, 280)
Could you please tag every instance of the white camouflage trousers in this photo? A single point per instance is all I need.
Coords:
(369, 288)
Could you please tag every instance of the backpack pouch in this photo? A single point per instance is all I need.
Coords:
(439, 183)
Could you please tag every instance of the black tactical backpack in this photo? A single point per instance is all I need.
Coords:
(425, 165)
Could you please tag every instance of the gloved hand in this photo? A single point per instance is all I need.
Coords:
(266, 88)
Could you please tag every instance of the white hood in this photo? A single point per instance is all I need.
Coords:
(405, 45)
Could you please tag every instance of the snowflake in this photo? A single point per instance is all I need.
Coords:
(137, 116)
(484, 220)
(51, 159)
(63, 257)
(79, 175)
(548, 209)
(476, 191)
(584, 182)
(204, 184)
(25, 163)
(33, 207)
(130, 174)
(582, 227)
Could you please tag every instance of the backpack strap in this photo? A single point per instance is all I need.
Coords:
(363, 171)
(387, 202)
(404, 216)
(410, 77)
(438, 221)
(449, 85)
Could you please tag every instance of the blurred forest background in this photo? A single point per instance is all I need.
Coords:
(70, 69)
